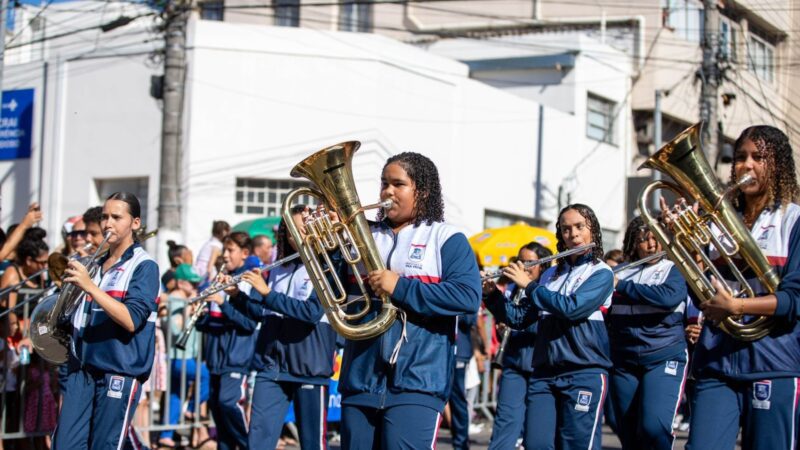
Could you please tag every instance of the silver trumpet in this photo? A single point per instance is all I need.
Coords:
(529, 264)
(215, 288)
(639, 262)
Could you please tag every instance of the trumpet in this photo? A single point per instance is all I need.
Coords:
(529, 264)
(215, 288)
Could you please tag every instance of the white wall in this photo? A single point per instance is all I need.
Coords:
(262, 99)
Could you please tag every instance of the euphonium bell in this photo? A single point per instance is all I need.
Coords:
(330, 170)
(717, 225)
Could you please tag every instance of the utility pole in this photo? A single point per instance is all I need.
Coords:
(657, 141)
(169, 208)
(710, 81)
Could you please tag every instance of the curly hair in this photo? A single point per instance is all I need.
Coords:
(635, 228)
(594, 227)
(777, 150)
(428, 201)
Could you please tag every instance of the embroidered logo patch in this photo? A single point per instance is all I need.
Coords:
(762, 391)
(763, 239)
(657, 275)
(584, 399)
(115, 385)
(417, 252)
(114, 276)
(671, 368)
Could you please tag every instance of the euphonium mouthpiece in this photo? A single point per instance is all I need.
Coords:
(386, 204)
(744, 181)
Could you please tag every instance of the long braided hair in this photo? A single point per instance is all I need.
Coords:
(594, 226)
(777, 151)
(428, 191)
(635, 229)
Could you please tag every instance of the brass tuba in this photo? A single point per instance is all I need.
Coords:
(717, 225)
(330, 169)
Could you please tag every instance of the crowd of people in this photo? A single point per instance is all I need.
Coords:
(595, 337)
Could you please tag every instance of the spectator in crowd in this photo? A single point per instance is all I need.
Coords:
(74, 233)
(262, 248)
(211, 250)
(183, 361)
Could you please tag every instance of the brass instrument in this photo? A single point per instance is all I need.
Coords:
(47, 331)
(683, 160)
(215, 287)
(330, 169)
(212, 289)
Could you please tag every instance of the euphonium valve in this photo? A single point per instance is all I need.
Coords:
(330, 170)
(715, 225)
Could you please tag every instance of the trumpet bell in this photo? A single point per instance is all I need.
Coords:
(50, 342)
(330, 169)
(718, 226)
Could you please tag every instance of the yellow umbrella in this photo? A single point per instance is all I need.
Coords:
(496, 246)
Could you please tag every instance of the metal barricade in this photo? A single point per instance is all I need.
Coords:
(14, 373)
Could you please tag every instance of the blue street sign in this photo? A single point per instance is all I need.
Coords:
(16, 124)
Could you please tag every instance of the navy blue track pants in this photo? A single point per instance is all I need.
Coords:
(512, 411)
(645, 400)
(411, 427)
(227, 397)
(96, 412)
(767, 411)
(271, 400)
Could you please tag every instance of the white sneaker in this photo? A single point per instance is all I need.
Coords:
(475, 428)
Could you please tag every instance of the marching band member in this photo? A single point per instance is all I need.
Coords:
(394, 386)
(513, 388)
(571, 355)
(648, 347)
(755, 384)
(115, 335)
(230, 337)
(294, 352)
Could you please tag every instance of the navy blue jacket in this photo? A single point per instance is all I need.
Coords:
(423, 371)
(230, 338)
(776, 355)
(104, 344)
(464, 336)
(571, 334)
(298, 345)
(646, 323)
(518, 354)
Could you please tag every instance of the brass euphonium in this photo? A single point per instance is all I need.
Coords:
(717, 225)
(330, 170)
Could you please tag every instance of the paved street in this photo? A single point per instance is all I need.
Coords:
(481, 440)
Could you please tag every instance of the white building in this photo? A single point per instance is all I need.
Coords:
(259, 99)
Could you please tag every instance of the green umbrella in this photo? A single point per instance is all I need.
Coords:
(263, 225)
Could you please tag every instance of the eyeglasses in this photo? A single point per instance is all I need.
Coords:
(77, 233)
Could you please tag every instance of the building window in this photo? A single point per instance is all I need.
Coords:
(761, 58)
(600, 119)
(355, 16)
(287, 13)
(727, 40)
(212, 10)
(683, 17)
(265, 197)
